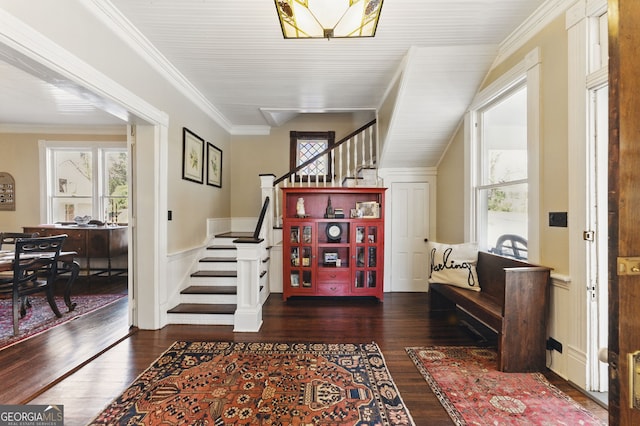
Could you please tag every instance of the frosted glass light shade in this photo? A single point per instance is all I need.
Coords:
(328, 18)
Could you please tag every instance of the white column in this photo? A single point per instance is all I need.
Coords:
(248, 315)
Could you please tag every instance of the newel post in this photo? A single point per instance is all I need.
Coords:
(248, 315)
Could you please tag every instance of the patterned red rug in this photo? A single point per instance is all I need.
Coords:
(473, 392)
(40, 317)
(223, 383)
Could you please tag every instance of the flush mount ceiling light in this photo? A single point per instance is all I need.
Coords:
(328, 18)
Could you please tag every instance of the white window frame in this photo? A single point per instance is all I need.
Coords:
(47, 178)
(587, 71)
(526, 71)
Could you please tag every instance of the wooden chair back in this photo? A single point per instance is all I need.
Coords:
(9, 238)
(35, 268)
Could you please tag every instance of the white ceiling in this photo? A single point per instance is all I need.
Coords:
(234, 54)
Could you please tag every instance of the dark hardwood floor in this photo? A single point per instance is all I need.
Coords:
(31, 369)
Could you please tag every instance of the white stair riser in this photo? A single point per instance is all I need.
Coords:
(217, 266)
(213, 281)
(200, 319)
(222, 241)
(224, 299)
(231, 253)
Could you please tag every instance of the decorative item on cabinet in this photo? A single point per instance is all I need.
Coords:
(329, 214)
(300, 211)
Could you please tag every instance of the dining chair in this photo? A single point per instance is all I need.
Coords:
(35, 267)
(9, 238)
(8, 242)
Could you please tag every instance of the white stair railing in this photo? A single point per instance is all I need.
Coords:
(344, 160)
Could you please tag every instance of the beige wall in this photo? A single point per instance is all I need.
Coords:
(255, 155)
(554, 244)
(449, 207)
(20, 158)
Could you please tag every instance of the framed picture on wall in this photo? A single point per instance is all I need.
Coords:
(192, 156)
(214, 165)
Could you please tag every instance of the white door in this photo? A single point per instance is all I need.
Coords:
(409, 229)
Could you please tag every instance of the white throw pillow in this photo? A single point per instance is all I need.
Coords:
(454, 264)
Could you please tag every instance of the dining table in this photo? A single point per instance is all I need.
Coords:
(67, 264)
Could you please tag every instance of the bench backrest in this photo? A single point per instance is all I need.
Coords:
(491, 273)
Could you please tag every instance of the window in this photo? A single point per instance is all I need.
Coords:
(502, 190)
(87, 180)
(306, 145)
(503, 160)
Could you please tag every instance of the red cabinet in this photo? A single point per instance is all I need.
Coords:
(337, 247)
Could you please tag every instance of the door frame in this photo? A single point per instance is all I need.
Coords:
(390, 176)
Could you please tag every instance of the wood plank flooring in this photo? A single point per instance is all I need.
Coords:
(401, 320)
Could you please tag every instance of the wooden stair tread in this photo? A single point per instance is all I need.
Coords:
(214, 259)
(211, 274)
(235, 235)
(210, 289)
(202, 308)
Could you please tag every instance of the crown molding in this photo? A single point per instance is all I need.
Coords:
(27, 49)
(250, 130)
(546, 13)
(108, 14)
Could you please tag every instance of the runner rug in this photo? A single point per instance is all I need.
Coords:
(473, 392)
(223, 383)
(40, 317)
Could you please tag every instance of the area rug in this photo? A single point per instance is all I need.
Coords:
(473, 392)
(40, 317)
(224, 383)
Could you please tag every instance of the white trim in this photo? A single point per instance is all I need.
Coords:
(22, 46)
(217, 226)
(596, 7)
(528, 69)
(507, 80)
(470, 177)
(98, 150)
(109, 15)
(26, 47)
(578, 104)
(575, 14)
(535, 23)
(389, 176)
(52, 129)
(534, 173)
(250, 130)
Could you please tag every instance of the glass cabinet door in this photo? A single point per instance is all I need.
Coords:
(366, 258)
(301, 254)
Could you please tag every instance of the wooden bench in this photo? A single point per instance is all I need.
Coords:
(513, 301)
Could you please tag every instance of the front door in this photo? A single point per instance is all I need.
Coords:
(624, 205)
(409, 228)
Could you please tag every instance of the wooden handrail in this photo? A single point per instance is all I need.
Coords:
(326, 151)
(263, 213)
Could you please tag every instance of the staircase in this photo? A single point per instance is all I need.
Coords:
(232, 280)
(211, 297)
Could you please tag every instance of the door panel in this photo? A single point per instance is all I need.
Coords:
(409, 228)
(624, 203)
